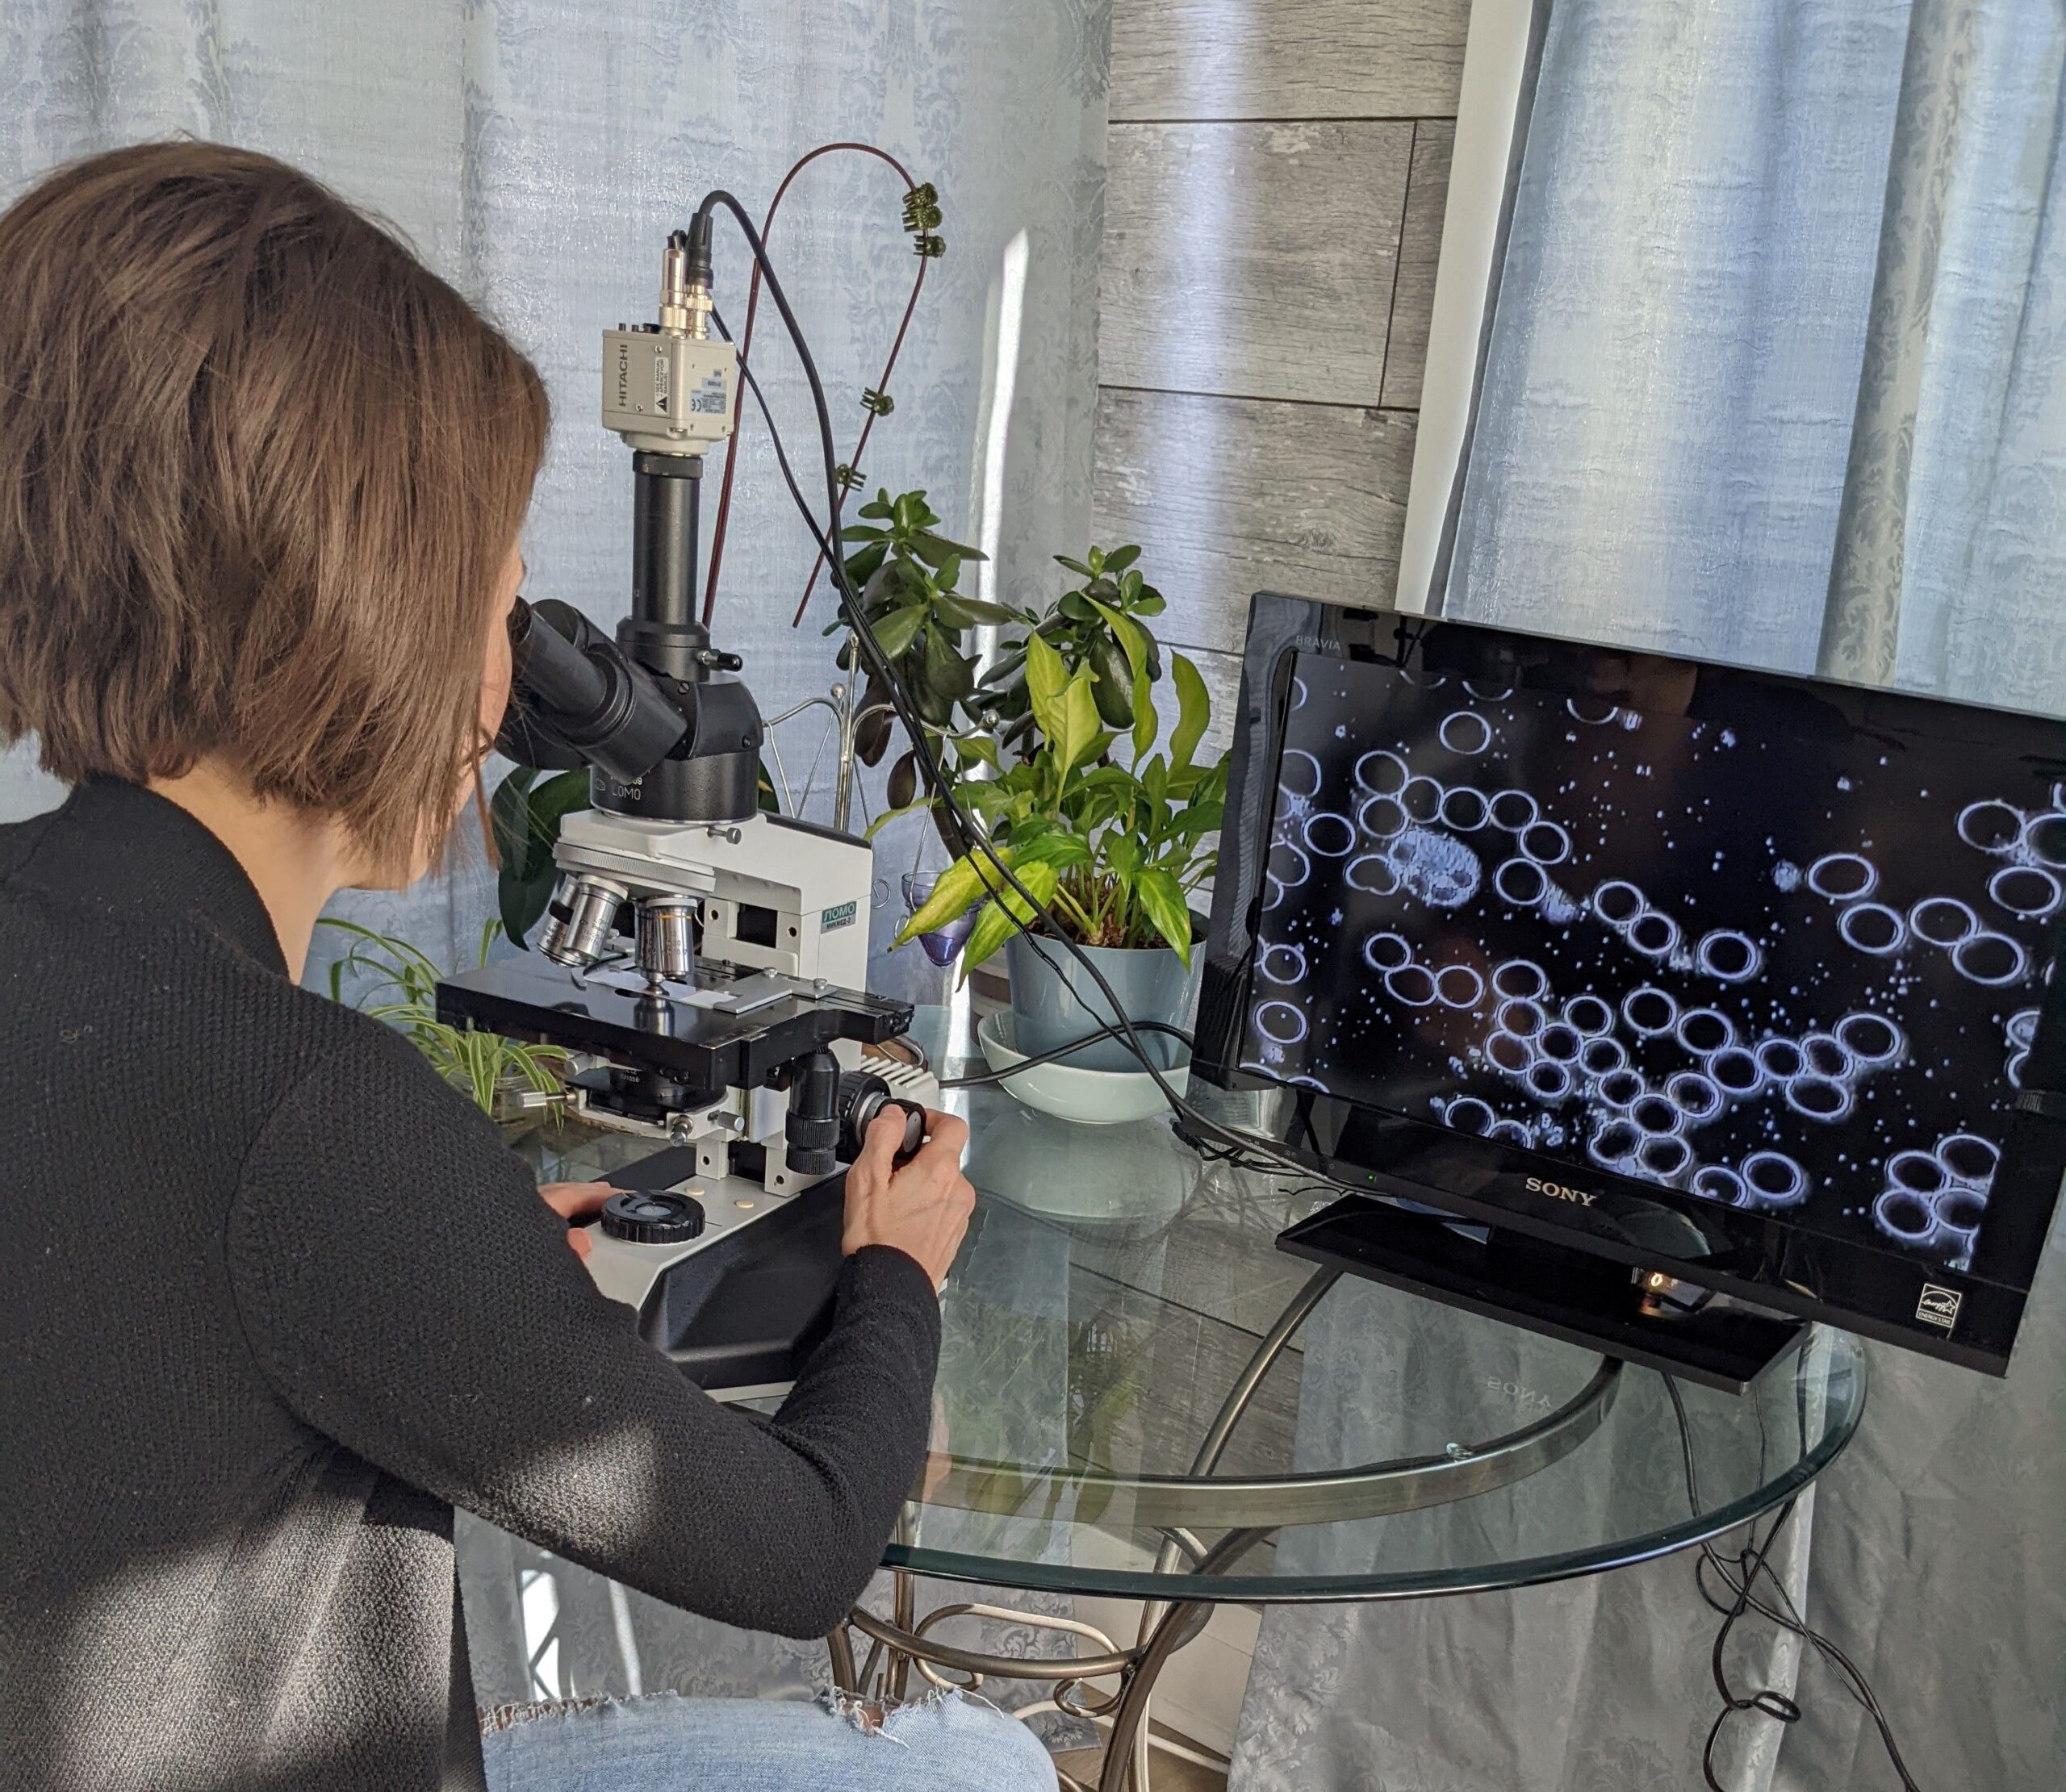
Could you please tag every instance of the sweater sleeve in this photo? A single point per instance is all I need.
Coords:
(406, 1291)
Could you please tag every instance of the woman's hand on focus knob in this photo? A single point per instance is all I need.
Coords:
(921, 1210)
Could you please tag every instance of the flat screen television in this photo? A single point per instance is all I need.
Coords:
(1739, 981)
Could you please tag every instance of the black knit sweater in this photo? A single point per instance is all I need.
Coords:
(274, 1299)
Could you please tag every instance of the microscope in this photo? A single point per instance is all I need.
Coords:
(702, 962)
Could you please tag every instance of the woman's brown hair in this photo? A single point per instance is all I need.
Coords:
(259, 470)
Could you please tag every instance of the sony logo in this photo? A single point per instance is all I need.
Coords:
(1557, 1191)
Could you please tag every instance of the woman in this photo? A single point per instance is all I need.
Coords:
(274, 1299)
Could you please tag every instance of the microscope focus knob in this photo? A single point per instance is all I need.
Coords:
(650, 1216)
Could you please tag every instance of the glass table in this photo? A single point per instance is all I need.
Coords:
(1140, 1396)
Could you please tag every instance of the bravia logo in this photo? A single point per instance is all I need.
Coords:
(1939, 1306)
(1557, 1191)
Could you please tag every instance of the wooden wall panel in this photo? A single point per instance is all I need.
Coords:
(1287, 59)
(1253, 259)
(1419, 245)
(1229, 496)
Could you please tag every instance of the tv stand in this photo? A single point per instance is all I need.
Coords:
(1588, 1300)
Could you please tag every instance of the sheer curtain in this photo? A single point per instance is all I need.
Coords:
(1776, 374)
(536, 153)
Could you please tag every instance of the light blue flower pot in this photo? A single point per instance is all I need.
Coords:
(1053, 999)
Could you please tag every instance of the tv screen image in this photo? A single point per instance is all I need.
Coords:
(1788, 974)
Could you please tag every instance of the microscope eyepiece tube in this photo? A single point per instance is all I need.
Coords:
(583, 914)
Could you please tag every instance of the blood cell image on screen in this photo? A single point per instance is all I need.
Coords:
(1791, 975)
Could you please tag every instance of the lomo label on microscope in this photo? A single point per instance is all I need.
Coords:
(843, 916)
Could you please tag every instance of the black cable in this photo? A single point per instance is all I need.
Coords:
(972, 840)
(1739, 1575)
(976, 1078)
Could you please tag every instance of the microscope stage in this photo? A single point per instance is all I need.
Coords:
(728, 1030)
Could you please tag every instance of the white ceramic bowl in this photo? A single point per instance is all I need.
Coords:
(1091, 1097)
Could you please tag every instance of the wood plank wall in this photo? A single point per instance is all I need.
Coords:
(1275, 180)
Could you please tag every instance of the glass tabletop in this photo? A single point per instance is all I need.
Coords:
(1140, 1395)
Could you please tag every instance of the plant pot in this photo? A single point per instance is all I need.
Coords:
(1053, 999)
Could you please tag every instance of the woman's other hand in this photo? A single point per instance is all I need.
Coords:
(576, 1202)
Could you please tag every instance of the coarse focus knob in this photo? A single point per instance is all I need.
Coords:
(648, 1216)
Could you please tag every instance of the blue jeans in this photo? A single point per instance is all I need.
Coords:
(664, 1742)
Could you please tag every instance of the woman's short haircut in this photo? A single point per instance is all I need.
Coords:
(260, 471)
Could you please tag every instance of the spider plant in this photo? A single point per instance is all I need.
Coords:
(403, 986)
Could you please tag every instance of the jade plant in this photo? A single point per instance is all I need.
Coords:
(403, 987)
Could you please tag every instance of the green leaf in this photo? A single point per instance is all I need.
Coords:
(1161, 899)
(1120, 558)
(521, 901)
(1194, 710)
(863, 567)
(898, 629)
(1073, 565)
(1057, 847)
(971, 750)
(1046, 679)
(861, 532)
(1076, 738)
(948, 671)
(508, 812)
(1122, 856)
(888, 816)
(961, 886)
(1133, 641)
(998, 922)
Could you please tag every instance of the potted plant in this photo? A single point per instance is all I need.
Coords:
(1110, 852)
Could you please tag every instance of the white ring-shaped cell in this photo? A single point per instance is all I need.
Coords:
(1520, 979)
(1521, 882)
(2028, 891)
(1718, 1182)
(1872, 1040)
(1381, 773)
(1412, 984)
(1652, 1113)
(1387, 952)
(1280, 1023)
(1614, 1143)
(1485, 691)
(1547, 842)
(1819, 1098)
(1603, 1056)
(1992, 826)
(1289, 864)
(1968, 1158)
(1728, 955)
(1905, 1217)
(1467, 1114)
(1696, 1096)
(1872, 927)
(1621, 1088)
(1704, 1031)
(1942, 921)
(1510, 1132)
(1589, 1015)
(1842, 877)
(1919, 1172)
(1522, 1017)
(1312, 1082)
(1464, 731)
(1549, 1080)
(1373, 874)
(1509, 1053)
(1297, 691)
(1298, 773)
(1618, 902)
(1592, 710)
(1464, 809)
(1650, 1011)
(1992, 959)
(1421, 678)
(1330, 835)
(1961, 1210)
(1737, 1073)
(1654, 934)
(1664, 1156)
(1381, 817)
(1277, 892)
(1421, 798)
(1459, 986)
(2022, 1027)
(1779, 1058)
(1825, 1056)
(1513, 810)
(2013, 1069)
(1281, 963)
(2044, 839)
(1773, 1179)
(1561, 1042)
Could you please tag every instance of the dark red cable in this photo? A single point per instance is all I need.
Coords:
(745, 344)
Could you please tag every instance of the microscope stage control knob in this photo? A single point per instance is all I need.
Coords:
(651, 1216)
